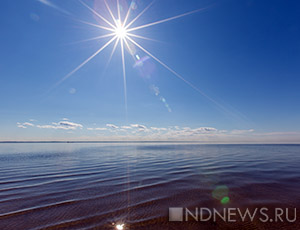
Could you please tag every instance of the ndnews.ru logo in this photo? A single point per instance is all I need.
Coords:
(233, 214)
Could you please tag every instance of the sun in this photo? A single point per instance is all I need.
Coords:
(120, 227)
(121, 31)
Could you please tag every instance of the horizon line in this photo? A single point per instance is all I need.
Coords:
(154, 141)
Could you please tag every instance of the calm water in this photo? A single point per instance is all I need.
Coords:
(98, 185)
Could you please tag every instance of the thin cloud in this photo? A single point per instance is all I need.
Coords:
(239, 132)
(24, 125)
(112, 126)
(64, 125)
(96, 129)
(126, 127)
(70, 124)
(143, 132)
(139, 126)
(205, 130)
(28, 124)
(47, 127)
(158, 129)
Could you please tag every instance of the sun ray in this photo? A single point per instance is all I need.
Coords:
(142, 37)
(95, 25)
(127, 15)
(94, 38)
(110, 12)
(124, 76)
(119, 13)
(113, 51)
(130, 51)
(97, 14)
(139, 15)
(178, 75)
(85, 62)
(165, 20)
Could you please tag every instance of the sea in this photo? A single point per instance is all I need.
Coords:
(149, 186)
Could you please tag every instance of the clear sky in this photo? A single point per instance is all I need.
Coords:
(243, 55)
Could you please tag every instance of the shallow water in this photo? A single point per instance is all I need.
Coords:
(99, 185)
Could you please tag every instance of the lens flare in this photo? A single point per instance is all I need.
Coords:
(221, 193)
(225, 200)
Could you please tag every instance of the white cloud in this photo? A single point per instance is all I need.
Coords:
(159, 129)
(139, 126)
(204, 130)
(64, 125)
(112, 126)
(70, 124)
(242, 131)
(97, 129)
(28, 124)
(24, 125)
(137, 132)
(47, 127)
(177, 132)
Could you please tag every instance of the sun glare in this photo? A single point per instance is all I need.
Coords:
(121, 31)
(120, 227)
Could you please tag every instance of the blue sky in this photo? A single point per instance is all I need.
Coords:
(244, 55)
